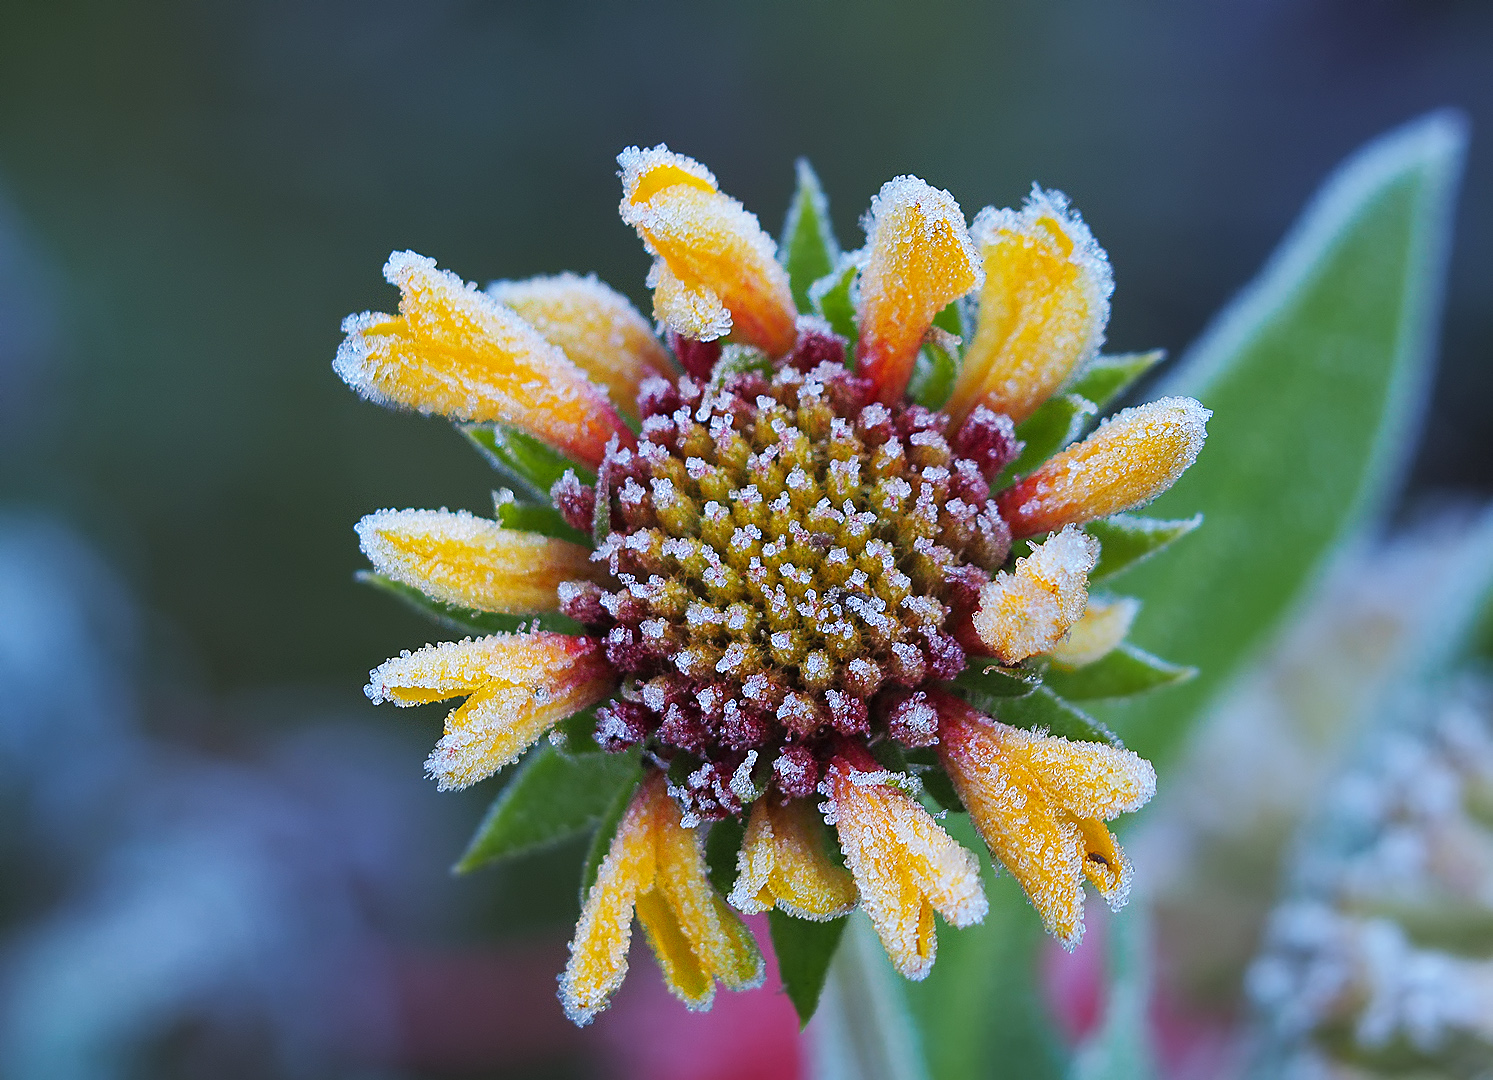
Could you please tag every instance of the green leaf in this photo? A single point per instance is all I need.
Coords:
(952, 320)
(1107, 377)
(601, 511)
(531, 517)
(1055, 424)
(804, 950)
(464, 620)
(722, 845)
(606, 829)
(980, 1010)
(1121, 1047)
(832, 298)
(1045, 710)
(808, 250)
(1123, 671)
(936, 783)
(1125, 540)
(1317, 375)
(576, 734)
(987, 679)
(551, 797)
(933, 375)
(529, 464)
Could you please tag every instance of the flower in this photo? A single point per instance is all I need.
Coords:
(787, 568)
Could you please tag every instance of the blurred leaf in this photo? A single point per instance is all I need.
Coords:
(530, 465)
(979, 1011)
(462, 620)
(808, 250)
(1045, 710)
(864, 1028)
(1125, 540)
(1107, 377)
(722, 844)
(551, 797)
(951, 320)
(1123, 671)
(831, 297)
(531, 517)
(988, 679)
(1121, 1047)
(1317, 374)
(804, 950)
(606, 829)
(933, 374)
(1055, 424)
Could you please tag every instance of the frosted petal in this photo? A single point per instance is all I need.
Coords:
(1103, 626)
(1028, 610)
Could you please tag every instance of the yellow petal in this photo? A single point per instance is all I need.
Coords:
(1132, 458)
(715, 255)
(597, 326)
(721, 946)
(457, 352)
(783, 864)
(598, 953)
(918, 259)
(1103, 626)
(1089, 780)
(1029, 609)
(904, 865)
(1024, 828)
(520, 686)
(1043, 306)
(1104, 863)
(466, 560)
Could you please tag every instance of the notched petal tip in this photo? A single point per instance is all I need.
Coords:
(783, 864)
(1043, 306)
(456, 352)
(1133, 457)
(1031, 608)
(717, 269)
(918, 259)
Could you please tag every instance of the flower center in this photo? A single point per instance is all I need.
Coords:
(790, 557)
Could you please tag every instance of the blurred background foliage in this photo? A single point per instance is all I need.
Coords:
(193, 195)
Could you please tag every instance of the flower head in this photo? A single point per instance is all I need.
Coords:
(778, 589)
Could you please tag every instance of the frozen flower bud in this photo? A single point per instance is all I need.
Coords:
(918, 259)
(596, 326)
(1132, 458)
(1040, 803)
(1043, 306)
(458, 558)
(783, 864)
(459, 353)
(655, 867)
(905, 866)
(1029, 609)
(716, 270)
(518, 687)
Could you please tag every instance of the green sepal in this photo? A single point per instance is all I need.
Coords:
(1125, 540)
(606, 829)
(808, 250)
(933, 375)
(804, 950)
(953, 320)
(601, 512)
(1042, 709)
(531, 517)
(532, 466)
(1122, 672)
(1107, 377)
(924, 762)
(1053, 426)
(576, 734)
(463, 620)
(722, 844)
(988, 679)
(833, 301)
(551, 797)
(739, 359)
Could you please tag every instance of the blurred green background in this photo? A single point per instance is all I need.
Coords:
(207, 188)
